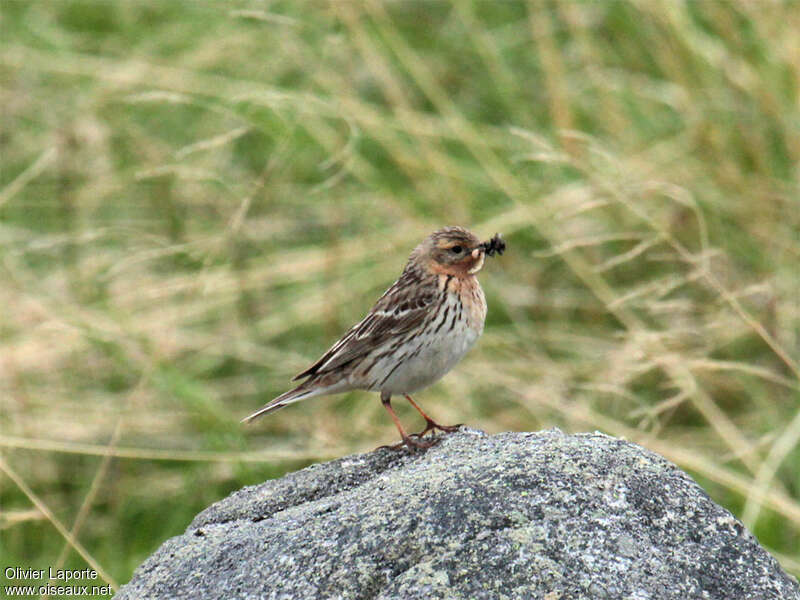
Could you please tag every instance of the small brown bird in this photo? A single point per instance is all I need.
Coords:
(416, 332)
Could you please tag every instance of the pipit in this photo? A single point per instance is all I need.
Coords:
(416, 332)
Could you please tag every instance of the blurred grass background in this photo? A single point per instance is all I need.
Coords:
(198, 198)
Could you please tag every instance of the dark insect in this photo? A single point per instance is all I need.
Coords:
(496, 244)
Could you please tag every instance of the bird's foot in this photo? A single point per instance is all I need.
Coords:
(431, 425)
(413, 442)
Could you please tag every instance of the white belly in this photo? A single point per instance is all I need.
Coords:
(429, 356)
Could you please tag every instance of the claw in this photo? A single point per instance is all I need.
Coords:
(412, 444)
(432, 425)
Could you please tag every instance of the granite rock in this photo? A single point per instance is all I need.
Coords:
(516, 515)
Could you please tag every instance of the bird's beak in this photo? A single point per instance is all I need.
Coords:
(479, 255)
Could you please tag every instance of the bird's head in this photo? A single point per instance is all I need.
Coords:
(452, 251)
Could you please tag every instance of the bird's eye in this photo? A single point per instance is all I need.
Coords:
(456, 249)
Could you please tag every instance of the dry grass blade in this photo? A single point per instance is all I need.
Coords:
(48, 514)
(176, 455)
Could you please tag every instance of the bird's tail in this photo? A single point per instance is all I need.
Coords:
(301, 392)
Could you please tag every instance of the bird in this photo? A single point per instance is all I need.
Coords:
(416, 332)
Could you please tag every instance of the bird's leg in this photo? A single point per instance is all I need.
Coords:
(411, 443)
(430, 424)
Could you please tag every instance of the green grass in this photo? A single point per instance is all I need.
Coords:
(197, 198)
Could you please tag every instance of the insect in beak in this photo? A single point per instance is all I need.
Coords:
(495, 245)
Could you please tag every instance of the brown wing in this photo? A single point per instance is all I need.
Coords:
(402, 307)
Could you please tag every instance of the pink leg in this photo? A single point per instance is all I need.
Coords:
(430, 424)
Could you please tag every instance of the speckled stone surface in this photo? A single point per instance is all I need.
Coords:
(516, 515)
